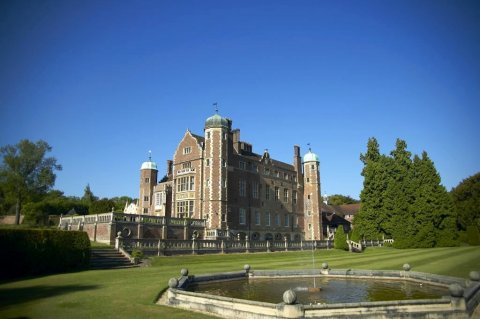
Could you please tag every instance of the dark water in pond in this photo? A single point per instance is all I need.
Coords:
(333, 290)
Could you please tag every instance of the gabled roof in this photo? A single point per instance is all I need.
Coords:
(200, 139)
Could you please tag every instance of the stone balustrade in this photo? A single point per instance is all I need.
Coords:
(168, 247)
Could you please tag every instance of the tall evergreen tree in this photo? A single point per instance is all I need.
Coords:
(404, 198)
(400, 194)
(432, 209)
(368, 220)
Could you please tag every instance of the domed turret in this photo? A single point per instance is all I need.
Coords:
(149, 164)
(216, 121)
(310, 157)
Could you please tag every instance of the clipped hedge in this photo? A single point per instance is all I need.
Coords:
(42, 251)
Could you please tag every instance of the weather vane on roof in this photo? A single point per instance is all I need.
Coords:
(309, 148)
(150, 156)
(216, 107)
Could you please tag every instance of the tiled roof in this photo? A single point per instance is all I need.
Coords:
(200, 139)
(348, 209)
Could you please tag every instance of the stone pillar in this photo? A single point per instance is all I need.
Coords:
(140, 230)
(164, 232)
(185, 230)
(161, 248)
(289, 308)
(457, 297)
(222, 246)
(194, 246)
(95, 231)
(118, 240)
(247, 244)
(286, 243)
(268, 247)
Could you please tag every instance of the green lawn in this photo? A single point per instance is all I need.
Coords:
(130, 293)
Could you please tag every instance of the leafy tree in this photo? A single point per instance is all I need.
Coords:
(473, 235)
(26, 173)
(338, 199)
(101, 206)
(164, 179)
(120, 202)
(340, 241)
(53, 203)
(466, 198)
(88, 196)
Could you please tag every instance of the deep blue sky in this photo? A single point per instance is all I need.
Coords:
(104, 82)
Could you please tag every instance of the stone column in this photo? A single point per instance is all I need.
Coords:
(185, 230)
(118, 239)
(194, 246)
(95, 231)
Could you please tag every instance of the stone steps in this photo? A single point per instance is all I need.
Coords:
(108, 258)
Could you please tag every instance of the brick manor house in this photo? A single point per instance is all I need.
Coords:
(218, 178)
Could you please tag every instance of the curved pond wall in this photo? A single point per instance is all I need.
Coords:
(462, 302)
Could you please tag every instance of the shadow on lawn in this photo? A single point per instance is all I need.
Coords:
(13, 296)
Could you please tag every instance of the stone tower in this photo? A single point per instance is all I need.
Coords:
(312, 199)
(148, 180)
(297, 165)
(216, 155)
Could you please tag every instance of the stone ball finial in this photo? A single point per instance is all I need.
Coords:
(455, 290)
(246, 267)
(324, 265)
(406, 267)
(184, 272)
(119, 234)
(289, 297)
(474, 276)
(173, 282)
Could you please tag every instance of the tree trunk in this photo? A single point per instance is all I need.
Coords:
(17, 212)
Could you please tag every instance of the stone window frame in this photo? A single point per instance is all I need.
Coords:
(278, 222)
(242, 216)
(258, 218)
(255, 190)
(242, 188)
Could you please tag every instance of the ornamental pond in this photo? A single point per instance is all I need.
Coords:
(332, 290)
(343, 293)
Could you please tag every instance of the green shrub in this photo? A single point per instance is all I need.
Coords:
(473, 235)
(355, 235)
(340, 241)
(42, 251)
(137, 253)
